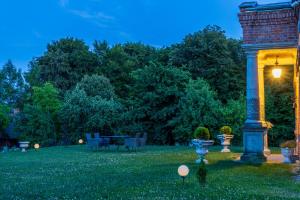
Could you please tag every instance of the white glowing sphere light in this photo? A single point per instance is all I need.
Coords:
(183, 171)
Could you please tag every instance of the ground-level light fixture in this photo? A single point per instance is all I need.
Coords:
(277, 71)
(183, 171)
(36, 146)
(80, 141)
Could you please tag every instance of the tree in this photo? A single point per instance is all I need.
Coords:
(95, 85)
(234, 115)
(210, 55)
(12, 86)
(155, 95)
(46, 98)
(65, 63)
(36, 126)
(39, 121)
(120, 60)
(91, 106)
(280, 112)
(4, 116)
(197, 107)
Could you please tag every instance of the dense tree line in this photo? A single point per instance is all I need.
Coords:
(128, 88)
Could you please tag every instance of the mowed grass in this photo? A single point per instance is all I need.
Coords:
(151, 173)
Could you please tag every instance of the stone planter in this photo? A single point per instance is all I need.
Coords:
(202, 148)
(225, 142)
(287, 154)
(24, 145)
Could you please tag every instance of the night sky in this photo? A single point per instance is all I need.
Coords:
(26, 26)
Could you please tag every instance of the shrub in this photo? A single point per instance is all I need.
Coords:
(226, 130)
(201, 133)
(201, 173)
(289, 144)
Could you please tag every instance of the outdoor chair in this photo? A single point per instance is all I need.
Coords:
(131, 143)
(103, 142)
(92, 143)
(143, 140)
(137, 141)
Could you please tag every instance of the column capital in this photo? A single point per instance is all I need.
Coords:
(251, 52)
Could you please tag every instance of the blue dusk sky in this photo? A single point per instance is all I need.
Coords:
(26, 26)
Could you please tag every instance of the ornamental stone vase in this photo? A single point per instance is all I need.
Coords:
(287, 154)
(202, 148)
(225, 142)
(24, 145)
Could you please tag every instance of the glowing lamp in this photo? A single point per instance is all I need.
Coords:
(80, 141)
(183, 171)
(277, 71)
(36, 146)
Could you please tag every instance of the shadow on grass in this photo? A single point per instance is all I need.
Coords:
(230, 164)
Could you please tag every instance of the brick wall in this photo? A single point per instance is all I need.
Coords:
(269, 26)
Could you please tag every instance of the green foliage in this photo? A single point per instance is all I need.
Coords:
(47, 98)
(289, 144)
(36, 126)
(210, 55)
(4, 116)
(120, 60)
(279, 95)
(38, 123)
(234, 113)
(160, 88)
(90, 107)
(198, 106)
(95, 85)
(201, 133)
(202, 173)
(156, 92)
(12, 86)
(65, 63)
(226, 130)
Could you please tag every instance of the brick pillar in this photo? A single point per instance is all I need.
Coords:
(255, 130)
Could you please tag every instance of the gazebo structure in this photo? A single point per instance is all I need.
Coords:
(271, 35)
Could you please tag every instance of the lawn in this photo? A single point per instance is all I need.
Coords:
(77, 173)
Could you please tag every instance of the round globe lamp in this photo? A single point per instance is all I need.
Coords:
(183, 172)
(36, 146)
(80, 141)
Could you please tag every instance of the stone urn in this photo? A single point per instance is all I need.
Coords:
(24, 145)
(287, 154)
(225, 140)
(202, 148)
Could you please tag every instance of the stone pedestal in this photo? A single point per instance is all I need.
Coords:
(255, 148)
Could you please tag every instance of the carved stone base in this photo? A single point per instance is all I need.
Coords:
(253, 158)
(255, 143)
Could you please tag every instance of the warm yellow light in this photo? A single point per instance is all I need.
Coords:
(36, 146)
(80, 141)
(183, 171)
(277, 72)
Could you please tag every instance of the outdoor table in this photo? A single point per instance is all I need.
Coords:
(116, 138)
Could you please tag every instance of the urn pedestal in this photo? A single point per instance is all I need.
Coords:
(225, 142)
(287, 154)
(24, 145)
(202, 149)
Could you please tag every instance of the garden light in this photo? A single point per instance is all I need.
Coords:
(36, 146)
(80, 141)
(183, 171)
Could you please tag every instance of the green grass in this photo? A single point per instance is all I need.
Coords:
(77, 173)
